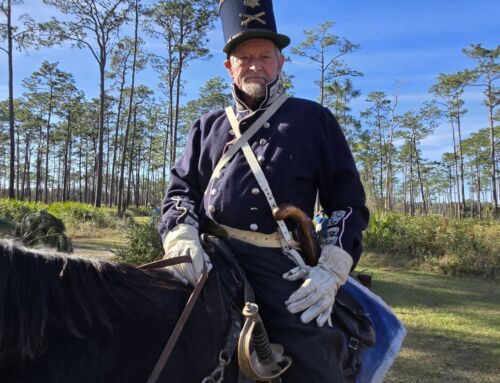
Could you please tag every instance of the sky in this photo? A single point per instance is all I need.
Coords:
(411, 42)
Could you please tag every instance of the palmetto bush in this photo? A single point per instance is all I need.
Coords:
(72, 213)
(79, 219)
(43, 228)
(77, 213)
(34, 227)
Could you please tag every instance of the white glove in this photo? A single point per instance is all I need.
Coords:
(317, 294)
(184, 240)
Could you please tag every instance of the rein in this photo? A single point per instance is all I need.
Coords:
(179, 326)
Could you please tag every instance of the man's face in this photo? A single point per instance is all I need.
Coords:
(253, 64)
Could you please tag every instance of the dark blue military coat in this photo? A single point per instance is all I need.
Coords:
(301, 149)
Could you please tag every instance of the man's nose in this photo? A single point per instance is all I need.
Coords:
(256, 65)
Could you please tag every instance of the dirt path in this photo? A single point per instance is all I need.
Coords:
(93, 248)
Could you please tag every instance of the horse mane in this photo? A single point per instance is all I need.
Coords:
(39, 288)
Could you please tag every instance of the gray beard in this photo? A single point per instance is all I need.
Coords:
(254, 90)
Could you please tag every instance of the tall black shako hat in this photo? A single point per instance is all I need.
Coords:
(249, 19)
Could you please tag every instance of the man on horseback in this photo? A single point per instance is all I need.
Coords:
(242, 162)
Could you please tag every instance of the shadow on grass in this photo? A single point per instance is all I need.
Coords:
(430, 357)
(408, 288)
(453, 326)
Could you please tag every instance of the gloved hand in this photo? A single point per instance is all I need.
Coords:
(316, 296)
(184, 240)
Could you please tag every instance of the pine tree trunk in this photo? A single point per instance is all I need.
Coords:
(450, 179)
(47, 149)
(18, 158)
(121, 209)
(26, 178)
(130, 162)
(405, 182)
(138, 178)
(412, 193)
(461, 158)
(106, 195)
(493, 163)
(421, 183)
(115, 147)
(38, 166)
(12, 170)
(478, 191)
(80, 163)
(455, 156)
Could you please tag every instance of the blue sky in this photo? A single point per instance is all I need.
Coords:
(408, 41)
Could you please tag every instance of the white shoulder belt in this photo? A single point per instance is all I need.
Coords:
(242, 141)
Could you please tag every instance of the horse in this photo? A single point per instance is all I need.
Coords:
(67, 319)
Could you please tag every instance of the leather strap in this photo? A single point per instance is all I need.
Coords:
(172, 340)
(165, 262)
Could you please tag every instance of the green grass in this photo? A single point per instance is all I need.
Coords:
(453, 324)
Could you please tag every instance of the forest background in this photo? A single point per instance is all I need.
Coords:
(97, 98)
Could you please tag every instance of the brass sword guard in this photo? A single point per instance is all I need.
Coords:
(250, 354)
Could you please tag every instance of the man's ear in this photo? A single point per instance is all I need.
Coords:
(227, 64)
(281, 61)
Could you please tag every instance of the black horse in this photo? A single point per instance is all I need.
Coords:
(65, 319)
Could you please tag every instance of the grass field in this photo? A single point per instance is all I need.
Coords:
(453, 324)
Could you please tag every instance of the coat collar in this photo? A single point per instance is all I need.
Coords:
(273, 90)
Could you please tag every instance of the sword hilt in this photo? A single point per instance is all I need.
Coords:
(258, 358)
(260, 339)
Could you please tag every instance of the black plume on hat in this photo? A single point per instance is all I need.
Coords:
(249, 19)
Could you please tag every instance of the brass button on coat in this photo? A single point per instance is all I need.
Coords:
(255, 191)
(211, 208)
(254, 227)
(267, 125)
(262, 141)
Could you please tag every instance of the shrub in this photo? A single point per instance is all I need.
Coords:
(143, 244)
(141, 211)
(472, 248)
(15, 210)
(75, 213)
(456, 246)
